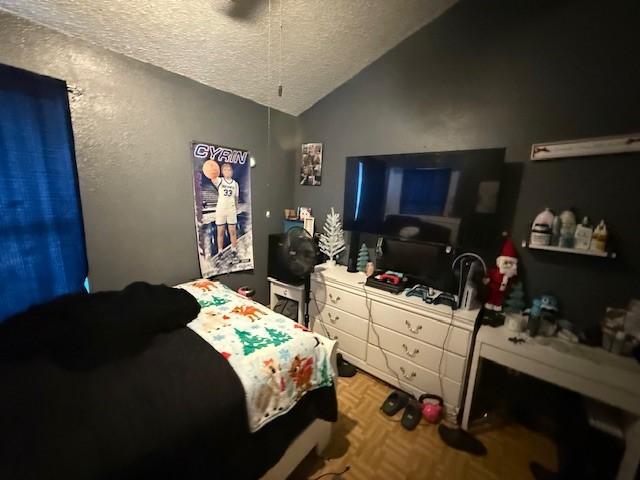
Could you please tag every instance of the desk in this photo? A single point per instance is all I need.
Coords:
(592, 372)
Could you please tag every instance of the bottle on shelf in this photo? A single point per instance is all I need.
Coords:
(555, 231)
(541, 228)
(567, 229)
(599, 237)
(583, 234)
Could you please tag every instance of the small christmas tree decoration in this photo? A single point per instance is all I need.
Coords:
(363, 258)
(515, 300)
(278, 337)
(332, 240)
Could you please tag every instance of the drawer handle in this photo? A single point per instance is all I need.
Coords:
(410, 327)
(335, 337)
(333, 319)
(408, 353)
(334, 300)
(411, 376)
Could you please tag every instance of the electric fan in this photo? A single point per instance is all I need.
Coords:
(299, 254)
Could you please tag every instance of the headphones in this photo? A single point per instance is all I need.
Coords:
(431, 411)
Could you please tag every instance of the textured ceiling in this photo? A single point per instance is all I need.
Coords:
(223, 43)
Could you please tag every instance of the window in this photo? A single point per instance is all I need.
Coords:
(42, 247)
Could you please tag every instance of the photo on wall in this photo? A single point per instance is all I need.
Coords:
(311, 166)
(222, 196)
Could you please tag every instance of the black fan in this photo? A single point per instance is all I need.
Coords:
(299, 252)
(299, 256)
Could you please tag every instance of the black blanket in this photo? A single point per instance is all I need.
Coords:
(83, 330)
(171, 408)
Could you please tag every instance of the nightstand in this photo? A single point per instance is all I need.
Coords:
(279, 290)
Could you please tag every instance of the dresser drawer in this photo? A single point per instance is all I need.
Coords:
(420, 353)
(411, 375)
(346, 343)
(341, 299)
(420, 327)
(347, 322)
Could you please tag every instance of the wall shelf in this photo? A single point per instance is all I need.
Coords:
(575, 251)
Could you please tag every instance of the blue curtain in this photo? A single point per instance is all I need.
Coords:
(42, 247)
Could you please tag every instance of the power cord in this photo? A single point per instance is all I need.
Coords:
(318, 316)
(335, 474)
(373, 329)
(442, 355)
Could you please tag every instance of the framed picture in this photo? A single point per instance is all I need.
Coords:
(304, 212)
(309, 225)
(586, 147)
(311, 164)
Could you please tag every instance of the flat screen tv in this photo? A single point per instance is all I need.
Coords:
(450, 198)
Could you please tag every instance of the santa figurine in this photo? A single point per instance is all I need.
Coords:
(499, 277)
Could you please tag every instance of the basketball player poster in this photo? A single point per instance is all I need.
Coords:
(222, 195)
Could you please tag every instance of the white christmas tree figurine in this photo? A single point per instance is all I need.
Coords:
(332, 240)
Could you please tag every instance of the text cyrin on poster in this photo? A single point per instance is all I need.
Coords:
(221, 154)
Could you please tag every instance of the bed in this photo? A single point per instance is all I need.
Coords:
(172, 405)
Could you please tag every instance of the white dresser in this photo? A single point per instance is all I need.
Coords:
(399, 339)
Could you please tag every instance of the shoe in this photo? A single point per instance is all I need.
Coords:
(412, 414)
(395, 402)
(345, 369)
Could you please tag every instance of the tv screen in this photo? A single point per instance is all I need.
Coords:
(450, 198)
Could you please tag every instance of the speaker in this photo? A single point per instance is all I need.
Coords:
(354, 247)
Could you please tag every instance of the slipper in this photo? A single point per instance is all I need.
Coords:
(395, 402)
(412, 414)
(345, 369)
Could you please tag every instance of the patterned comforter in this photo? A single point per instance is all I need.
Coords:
(276, 359)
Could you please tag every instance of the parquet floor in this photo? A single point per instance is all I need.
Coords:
(377, 447)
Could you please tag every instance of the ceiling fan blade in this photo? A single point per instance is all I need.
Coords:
(243, 9)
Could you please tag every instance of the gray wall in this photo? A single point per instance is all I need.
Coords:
(133, 124)
(504, 73)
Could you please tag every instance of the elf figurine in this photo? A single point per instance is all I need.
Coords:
(499, 277)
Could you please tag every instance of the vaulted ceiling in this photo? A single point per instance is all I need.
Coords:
(225, 43)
